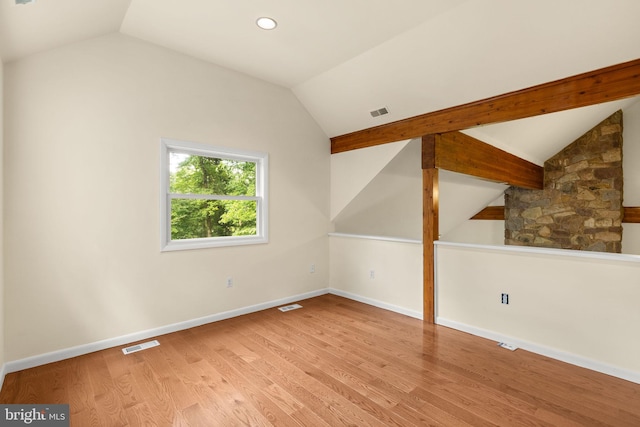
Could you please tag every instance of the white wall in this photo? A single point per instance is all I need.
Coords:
(391, 205)
(397, 272)
(352, 171)
(631, 167)
(82, 138)
(583, 310)
(480, 232)
(2, 350)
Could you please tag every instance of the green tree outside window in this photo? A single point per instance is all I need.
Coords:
(193, 218)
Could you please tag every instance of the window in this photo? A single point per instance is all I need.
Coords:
(212, 196)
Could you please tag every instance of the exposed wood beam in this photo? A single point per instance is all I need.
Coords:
(491, 213)
(461, 153)
(430, 233)
(457, 152)
(631, 214)
(594, 87)
(429, 152)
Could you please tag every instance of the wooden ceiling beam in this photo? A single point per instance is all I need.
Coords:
(606, 84)
(631, 214)
(457, 152)
(495, 213)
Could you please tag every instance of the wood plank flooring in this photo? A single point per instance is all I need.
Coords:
(334, 362)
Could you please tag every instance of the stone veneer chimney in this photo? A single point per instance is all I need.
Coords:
(580, 206)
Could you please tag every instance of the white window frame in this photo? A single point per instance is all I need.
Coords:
(262, 166)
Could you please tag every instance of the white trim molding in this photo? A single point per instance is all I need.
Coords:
(377, 303)
(55, 356)
(563, 356)
(545, 251)
(383, 238)
(261, 198)
(3, 373)
(63, 354)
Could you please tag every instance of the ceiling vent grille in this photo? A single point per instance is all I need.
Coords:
(380, 112)
(25, 1)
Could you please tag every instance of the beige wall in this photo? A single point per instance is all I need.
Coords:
(631, 166)
(82, 137)
(380, 189)
(397, 272)
(352, 171)
(575, 308)
(481, 232)
(2, 355)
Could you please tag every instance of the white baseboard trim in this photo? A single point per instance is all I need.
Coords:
(3, 372)
(55, 356)
(553, 353)
(376, 303)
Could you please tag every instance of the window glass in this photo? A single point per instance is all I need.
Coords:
(212, 196)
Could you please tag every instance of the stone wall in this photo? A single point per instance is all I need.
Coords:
(581, 204)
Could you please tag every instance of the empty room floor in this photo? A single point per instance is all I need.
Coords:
(333, 362)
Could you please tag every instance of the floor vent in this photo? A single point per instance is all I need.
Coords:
(138, 347)
(379, 112)
(507, 346)
(289, 307)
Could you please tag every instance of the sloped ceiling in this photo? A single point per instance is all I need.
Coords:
(477, 50)
(538, 138)
(47, 24)
(391, 202)
(312, 36)
(352, 171)
(343, 59)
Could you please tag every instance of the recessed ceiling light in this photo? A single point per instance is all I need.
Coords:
(266, 23)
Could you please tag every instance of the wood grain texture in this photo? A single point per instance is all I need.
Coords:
(631, 215)
(594, 87)
(430, 233)
(457, 152)
(429, 151)
(334, 362)
(491, 213)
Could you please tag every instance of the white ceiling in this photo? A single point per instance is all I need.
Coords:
(344, 58)
(47, 24)
(312, 36)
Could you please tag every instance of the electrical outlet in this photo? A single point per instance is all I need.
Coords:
(312, 268)
(505, 298)
(372, 274)
(229, 282)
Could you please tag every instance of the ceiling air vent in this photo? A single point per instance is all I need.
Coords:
(25, 1)
(381, 112)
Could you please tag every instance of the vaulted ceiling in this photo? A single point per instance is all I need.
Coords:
(344, 58)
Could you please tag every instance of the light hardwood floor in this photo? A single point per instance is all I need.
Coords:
(334, 362)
